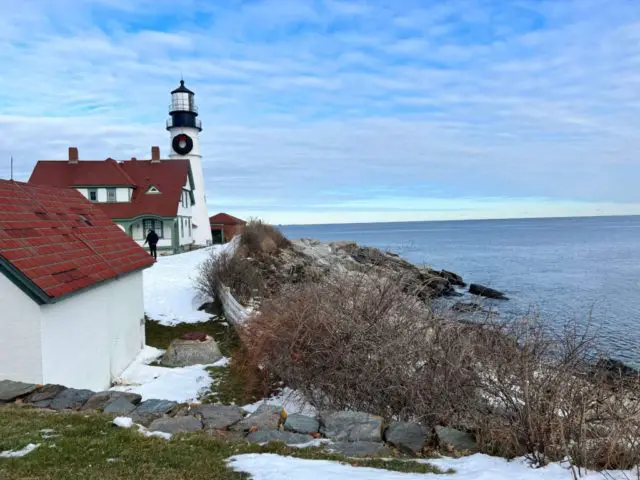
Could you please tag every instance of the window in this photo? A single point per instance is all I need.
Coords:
(182, 227)
(152, 224)
(93, 194)
(189, 223)
(111, 195)
(185, 198)
(153, 189)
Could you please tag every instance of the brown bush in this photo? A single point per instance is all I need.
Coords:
(239, 274)
(259, 238)
(360, 342)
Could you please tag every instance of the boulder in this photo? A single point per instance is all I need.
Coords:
(99, 400)
(10, 390)
(42, 397)
(360, 449)
(351, 426)
(219, 417)
(175, 425)
(454, 278)
(301, 424)
(452, 439)
(120, 406)
(483, 291)
(182, 353)
(266, 417)
(437, 286)
(612, 370)
(266, 436)
(407, 437)
(149, 410)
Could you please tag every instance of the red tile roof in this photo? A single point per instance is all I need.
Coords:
(225, 219)
(60, 242)
(168, 176)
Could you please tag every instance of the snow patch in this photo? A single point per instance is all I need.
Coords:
(123, 422)
(169, 293)
(291, 400)
(127, 422)
(475, 467)
(182, 385)
(19, 453)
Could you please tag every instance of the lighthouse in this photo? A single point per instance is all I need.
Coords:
(184, 128)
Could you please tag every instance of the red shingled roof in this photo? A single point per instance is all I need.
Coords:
(225, 219)
(58, 241)
(168, 176)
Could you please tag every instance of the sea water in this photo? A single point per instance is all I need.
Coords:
(582, 269)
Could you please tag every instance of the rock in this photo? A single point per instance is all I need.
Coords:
(351, 426)
(301, 424)
(42, 397)
(408, 437)
(454, 278)
(101, 399)
(266, 436)
(612, 369)
(119, 406)
(10, 390)
(483, 291)
(175, 425)
(219, 417)
(71, 399)
(149, 410)
(360, 449)
(453, 439)
(266, 417)
(437, 286)
(227, 435)
(469, 307)
(182, 353)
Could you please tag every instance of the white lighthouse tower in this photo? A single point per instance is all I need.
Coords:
(184, 128)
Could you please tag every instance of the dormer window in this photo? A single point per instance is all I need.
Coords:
(111, 195)
(93, 194)
(153, 189)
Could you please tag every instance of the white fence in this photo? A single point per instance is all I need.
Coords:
(235, 313)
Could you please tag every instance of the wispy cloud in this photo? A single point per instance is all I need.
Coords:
(335, 105)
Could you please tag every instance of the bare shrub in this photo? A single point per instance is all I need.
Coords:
(359, 342)
(237, 273)
(259, 238)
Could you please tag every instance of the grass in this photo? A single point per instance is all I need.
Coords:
(87, 446)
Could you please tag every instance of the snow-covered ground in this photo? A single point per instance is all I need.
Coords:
(169, 294)
(184, 384)
(475, 467)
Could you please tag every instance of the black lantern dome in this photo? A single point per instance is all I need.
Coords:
(183, 110)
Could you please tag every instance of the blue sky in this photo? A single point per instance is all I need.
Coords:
(319, 111)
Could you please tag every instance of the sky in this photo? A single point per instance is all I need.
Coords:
(330, 111)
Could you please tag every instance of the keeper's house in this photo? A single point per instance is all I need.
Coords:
(70, 289)
(138, 195)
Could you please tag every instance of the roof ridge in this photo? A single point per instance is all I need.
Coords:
(117, 166)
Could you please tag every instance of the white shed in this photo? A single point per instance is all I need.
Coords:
(70, 289)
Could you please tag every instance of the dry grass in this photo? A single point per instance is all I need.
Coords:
(259, 238)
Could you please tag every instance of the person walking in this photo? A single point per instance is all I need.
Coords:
(152, 240)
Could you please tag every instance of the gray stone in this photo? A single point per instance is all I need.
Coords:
(266, 436)
(42, 397)
(151, 409)
(176, 425)
(408, 437)
(219, 417)
(10, 390)
(119, 406)
(100, 400)
(70, 399)
(182, 353)
(360, 449)
(450, 438)
(301, 424)
(266, 417)
(351, 426)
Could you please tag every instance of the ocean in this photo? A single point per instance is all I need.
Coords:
(585, 269)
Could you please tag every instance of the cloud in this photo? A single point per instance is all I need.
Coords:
(312, 109)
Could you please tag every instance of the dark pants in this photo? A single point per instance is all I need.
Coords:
(153, 250)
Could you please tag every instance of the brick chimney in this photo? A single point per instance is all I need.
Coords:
(73, 154)
(155, 154)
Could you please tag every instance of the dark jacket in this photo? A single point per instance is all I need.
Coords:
(152, 238)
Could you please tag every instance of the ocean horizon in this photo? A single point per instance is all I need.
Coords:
(582, 269)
